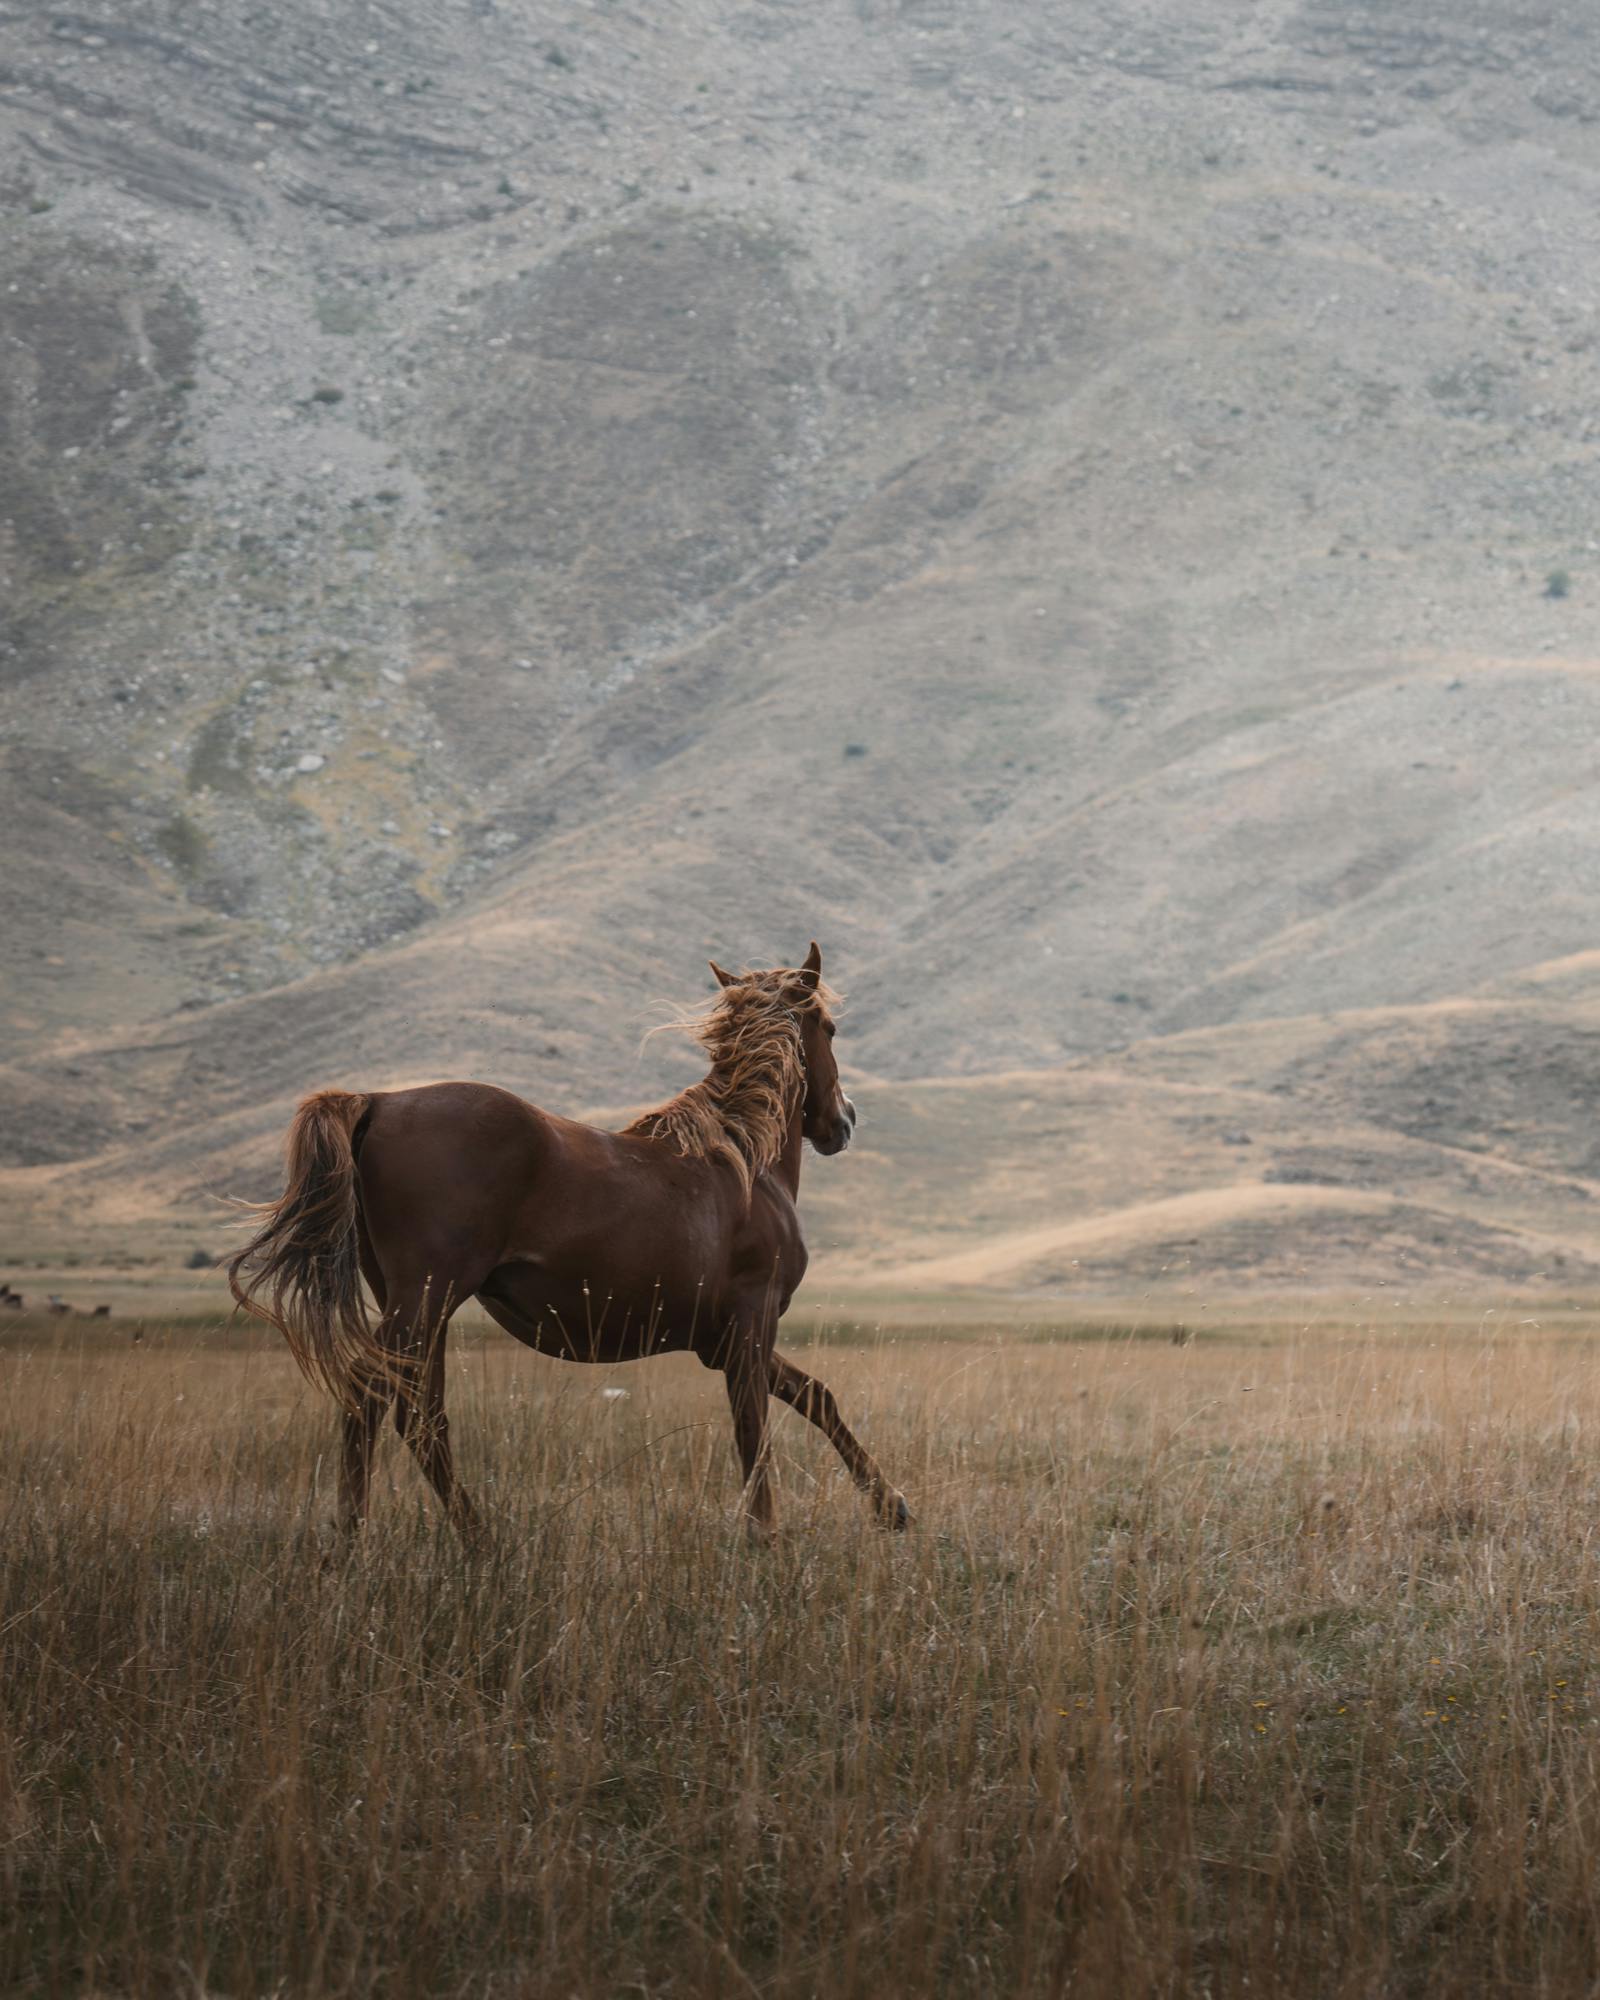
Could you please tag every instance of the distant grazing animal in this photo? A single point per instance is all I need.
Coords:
(101, 1312)
(678, 1234)
(11, 1301)
(55, 1303)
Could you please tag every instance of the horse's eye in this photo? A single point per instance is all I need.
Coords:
(830, 1031)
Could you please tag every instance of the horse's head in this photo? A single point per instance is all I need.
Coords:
(828, 1117)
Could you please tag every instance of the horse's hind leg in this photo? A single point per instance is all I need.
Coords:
(355, 1472)
(359, 1427)
(814, 1400)
(419, 1413)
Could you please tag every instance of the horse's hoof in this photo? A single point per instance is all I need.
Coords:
(894, 1513)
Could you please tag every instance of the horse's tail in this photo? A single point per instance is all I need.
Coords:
(301, 1271)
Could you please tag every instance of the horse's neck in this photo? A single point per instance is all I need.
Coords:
(787, 1166)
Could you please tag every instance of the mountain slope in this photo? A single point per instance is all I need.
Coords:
(497, 509)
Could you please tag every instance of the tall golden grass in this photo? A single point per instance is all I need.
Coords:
(1259, 1664)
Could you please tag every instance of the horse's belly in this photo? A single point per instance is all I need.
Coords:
(579, 1321)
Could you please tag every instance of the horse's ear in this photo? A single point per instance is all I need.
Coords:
(811, 971)
(722, 978)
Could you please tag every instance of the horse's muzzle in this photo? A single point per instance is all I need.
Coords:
(843, 1130)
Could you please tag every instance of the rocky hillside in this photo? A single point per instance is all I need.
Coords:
(1093, 512)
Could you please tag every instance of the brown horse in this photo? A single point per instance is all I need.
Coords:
(678, 1234)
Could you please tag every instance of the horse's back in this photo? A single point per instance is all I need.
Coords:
(465, 1175)
(442, 1106)
(481, 1131)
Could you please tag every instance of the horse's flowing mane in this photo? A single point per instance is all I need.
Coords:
(740, 1111)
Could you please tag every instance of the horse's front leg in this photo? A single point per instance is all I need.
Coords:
(814, 1401)
(748, 1372)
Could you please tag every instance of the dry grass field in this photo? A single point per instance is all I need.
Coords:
(1263, 1662)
